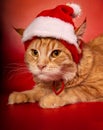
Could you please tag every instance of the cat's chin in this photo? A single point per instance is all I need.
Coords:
(47, 78)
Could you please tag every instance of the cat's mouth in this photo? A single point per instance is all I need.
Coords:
(48, 76)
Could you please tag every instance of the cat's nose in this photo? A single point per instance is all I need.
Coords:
(40, 66)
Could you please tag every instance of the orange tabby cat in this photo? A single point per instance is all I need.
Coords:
(53, 68)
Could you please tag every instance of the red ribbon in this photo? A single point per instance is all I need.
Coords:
(57, 92)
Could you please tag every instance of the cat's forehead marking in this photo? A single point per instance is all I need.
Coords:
(48, 44)
(53, 45)
(37, 44)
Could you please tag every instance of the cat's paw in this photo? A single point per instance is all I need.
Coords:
(51, 101)
(17, 97)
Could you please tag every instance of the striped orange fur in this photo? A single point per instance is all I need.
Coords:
(49, 61)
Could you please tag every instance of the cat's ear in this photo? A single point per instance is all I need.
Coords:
(19, 30)
(81, 29)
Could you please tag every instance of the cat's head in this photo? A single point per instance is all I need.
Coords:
(48, 59)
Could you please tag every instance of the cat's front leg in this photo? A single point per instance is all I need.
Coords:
(19, 97)
(71, 96)
(52, 101)
(28, 96)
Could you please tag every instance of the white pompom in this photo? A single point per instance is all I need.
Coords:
(76, 8)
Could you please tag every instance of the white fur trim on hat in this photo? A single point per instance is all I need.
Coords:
(76, 8)
(50, 27)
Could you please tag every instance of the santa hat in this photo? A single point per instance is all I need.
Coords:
(56, 23)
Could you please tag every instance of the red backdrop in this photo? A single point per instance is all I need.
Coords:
(19, 13)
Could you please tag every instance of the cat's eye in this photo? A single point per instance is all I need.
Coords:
(34, 52)
(55, 53)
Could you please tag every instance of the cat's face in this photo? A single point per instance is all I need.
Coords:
(49, 60)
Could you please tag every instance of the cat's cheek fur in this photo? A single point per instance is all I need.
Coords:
(34, 70)
(70, 73)
(69, 76)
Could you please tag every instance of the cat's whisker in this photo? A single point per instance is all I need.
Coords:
(11, 74)
(14, 69)
(15, 65)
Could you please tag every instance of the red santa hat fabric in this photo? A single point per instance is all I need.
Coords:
(55, 23)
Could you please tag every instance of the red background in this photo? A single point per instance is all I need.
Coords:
(19, 13)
